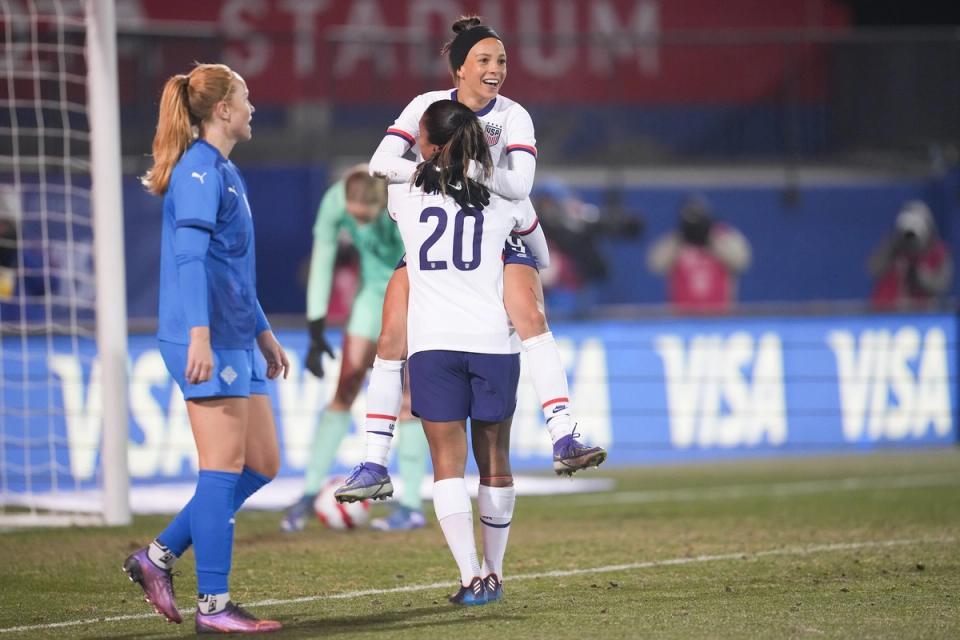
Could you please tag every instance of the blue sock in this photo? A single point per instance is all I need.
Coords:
(176, 537)
(211, 527)
(249, 483)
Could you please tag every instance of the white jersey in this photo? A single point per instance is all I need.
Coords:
(455, 267)
(509, 132)
(505, 123)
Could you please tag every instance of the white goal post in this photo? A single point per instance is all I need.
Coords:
(63, 325)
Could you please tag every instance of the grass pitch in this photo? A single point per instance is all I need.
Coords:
(836, 547)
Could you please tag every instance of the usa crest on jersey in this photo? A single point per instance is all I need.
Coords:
(492, 132)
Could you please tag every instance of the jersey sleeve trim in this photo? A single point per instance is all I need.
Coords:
(200, 223)
(522, 147)
(536, 223)
(400, 133)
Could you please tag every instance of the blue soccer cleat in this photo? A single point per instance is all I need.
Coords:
(402, 519)
(570, 456)
(473, 594)
(367, 481)
(494, 587)
(296, 516)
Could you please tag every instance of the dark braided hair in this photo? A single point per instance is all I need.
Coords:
(455, 129)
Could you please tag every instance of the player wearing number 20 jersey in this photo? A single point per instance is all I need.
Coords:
(455, 269)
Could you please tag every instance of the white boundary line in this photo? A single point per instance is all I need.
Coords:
(737, 491)
(650, 564)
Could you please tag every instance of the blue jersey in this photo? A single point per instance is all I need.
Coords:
(206, 192)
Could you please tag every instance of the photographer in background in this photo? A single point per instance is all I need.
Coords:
(913, 266)
(574, 229)
(702, 260)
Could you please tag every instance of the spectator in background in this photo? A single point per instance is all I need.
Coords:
(702, 260)
(9, 260)
(574, 229)
(913, 266)
(23, 277)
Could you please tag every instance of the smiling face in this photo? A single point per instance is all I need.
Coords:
(482, 74)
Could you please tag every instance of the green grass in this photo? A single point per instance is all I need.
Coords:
(774, 577)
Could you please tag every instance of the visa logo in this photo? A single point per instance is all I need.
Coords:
(724, 391)
(161, 442)
(893, 385)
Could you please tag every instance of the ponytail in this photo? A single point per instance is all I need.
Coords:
(186, 102)
(174, 134)
(460, 137)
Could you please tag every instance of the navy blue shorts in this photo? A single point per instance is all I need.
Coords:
(514, 252)
(455, 385)
(236, 373)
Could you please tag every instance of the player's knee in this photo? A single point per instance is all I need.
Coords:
(270, 467)
(231, 461)
(497, 481)
(391, 347)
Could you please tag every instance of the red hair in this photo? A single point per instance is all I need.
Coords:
(187, 101)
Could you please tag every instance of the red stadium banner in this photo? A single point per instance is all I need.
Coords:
(560, 51)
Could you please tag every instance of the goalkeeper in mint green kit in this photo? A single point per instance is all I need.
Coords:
(356, 204)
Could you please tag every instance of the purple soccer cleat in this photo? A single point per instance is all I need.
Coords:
(234, 619)
(367, 481)
(570, 455)
(157, 584)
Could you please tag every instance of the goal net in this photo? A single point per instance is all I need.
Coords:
(54, 468)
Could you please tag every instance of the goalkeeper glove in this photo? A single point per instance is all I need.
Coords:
(318, 347)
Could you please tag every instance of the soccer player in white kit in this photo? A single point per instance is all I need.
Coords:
(464, 356)
(478, 64)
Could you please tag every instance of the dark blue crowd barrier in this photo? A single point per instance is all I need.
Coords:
(812, 246)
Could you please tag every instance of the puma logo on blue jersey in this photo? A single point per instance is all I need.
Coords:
(198, 176)
(233, 191)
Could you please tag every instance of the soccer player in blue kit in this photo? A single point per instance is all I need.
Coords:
(478, 65)
(210, 320)
(464, 354)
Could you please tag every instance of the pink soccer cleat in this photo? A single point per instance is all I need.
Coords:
(157, 584)
(234, 619)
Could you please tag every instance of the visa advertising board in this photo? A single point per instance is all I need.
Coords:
(651, 392)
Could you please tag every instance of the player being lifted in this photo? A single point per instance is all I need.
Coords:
(464, 356)
(356, 204)
(478, 64)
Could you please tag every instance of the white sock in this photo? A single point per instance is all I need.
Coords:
(495, 506)
(161, 555)
(384, 395)
(451, 502)
(210, 603)
(550, 382)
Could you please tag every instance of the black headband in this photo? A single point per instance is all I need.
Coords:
(465, 40)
